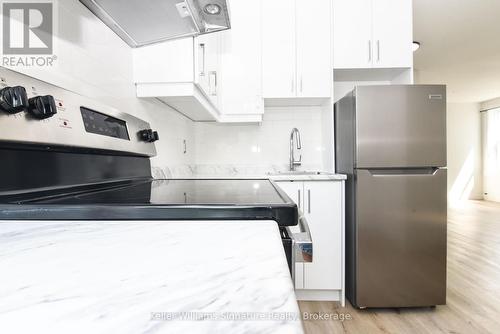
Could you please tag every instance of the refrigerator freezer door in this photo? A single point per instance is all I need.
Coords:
(401, 126)
(401, 238)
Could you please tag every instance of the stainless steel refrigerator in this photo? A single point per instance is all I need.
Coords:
(391, 142)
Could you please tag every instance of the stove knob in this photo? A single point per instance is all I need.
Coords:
(149, 135)
(155, 136)
(42, 107)
(13, 99)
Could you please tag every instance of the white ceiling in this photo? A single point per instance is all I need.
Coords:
(460, 47)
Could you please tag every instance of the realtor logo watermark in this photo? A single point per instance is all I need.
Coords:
(28, 33)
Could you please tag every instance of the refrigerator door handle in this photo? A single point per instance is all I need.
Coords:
(404, 171)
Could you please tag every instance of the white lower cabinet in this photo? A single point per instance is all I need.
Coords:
(322, 203)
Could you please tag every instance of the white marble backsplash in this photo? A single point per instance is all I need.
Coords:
(173, 172)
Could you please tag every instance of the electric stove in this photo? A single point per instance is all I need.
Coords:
(68, 157)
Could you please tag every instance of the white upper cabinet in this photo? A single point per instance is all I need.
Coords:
(171, 72)
(392, 33)
(297, 50)
(314, 48)
(278, 48)
(212, 77)
(352, 33)
(207, 64)
(240, 77)
(172, 60)
(186, 60)
(372, 34)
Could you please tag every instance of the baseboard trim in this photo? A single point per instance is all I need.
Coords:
(319, 295)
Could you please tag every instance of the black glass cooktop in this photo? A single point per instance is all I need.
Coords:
(172, 192)
(173, 199)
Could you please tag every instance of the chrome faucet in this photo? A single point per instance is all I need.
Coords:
(294, 163)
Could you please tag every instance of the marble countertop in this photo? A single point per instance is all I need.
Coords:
(278, 177)
(135, 277)
(308, 177)
(215, 171)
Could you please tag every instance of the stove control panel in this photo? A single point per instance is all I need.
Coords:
(34, 112)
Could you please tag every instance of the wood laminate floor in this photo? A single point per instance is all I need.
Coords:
(473, 292)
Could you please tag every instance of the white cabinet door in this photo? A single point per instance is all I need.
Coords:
(295, 191)
(241, 65)
(352, 34)
(278, 49)
(208, 47)
(323, 211)
(314, 48)
(170, 61)
(392, 33)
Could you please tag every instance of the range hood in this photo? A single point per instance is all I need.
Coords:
(143, 22)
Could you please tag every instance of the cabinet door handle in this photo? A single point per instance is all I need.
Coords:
(369, 51)
(201, 64)
(378, 50)
(298, 191)
(216, 84)
(212, 87)
(308, 200)
(301, 83)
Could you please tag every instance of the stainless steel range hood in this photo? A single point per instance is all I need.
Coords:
(143, 22)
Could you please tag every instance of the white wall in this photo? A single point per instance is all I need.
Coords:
(464, 152)
(256, 148)
(94, 61)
